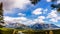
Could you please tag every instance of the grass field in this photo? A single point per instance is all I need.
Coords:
(15, 31)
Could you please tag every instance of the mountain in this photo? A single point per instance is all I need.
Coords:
(15, 25)
(38, 26)
(54, 26)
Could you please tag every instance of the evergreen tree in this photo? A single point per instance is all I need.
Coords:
(1, 14)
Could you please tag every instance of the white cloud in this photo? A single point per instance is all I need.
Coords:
(54, 17)
(58, 17)
(21, 14)
(48, 0)
(40, 19)
(23, 20)
(58, 1)
(45, 11)
(53, 14)
(53, 20)
(8, 5)
(37, 11)
(6, 12)
(8, 19)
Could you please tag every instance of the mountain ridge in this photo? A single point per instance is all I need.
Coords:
(36, 26)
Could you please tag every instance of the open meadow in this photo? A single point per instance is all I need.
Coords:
(16, 31)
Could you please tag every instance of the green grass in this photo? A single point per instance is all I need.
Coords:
(30, 31)
(6, 31)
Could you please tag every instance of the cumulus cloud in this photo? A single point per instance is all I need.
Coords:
(45, 11)
(37, 11)
(40, 19)
(9, 5)
(23, 20)
(58, 1)
(21, 14)
(48, 0)
(54, 17)
(5, 12)
(53, 20)
(58, 17)
(8, 19)
(53, 14)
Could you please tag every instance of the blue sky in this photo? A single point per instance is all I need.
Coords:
(28, 13)
(45, 5)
